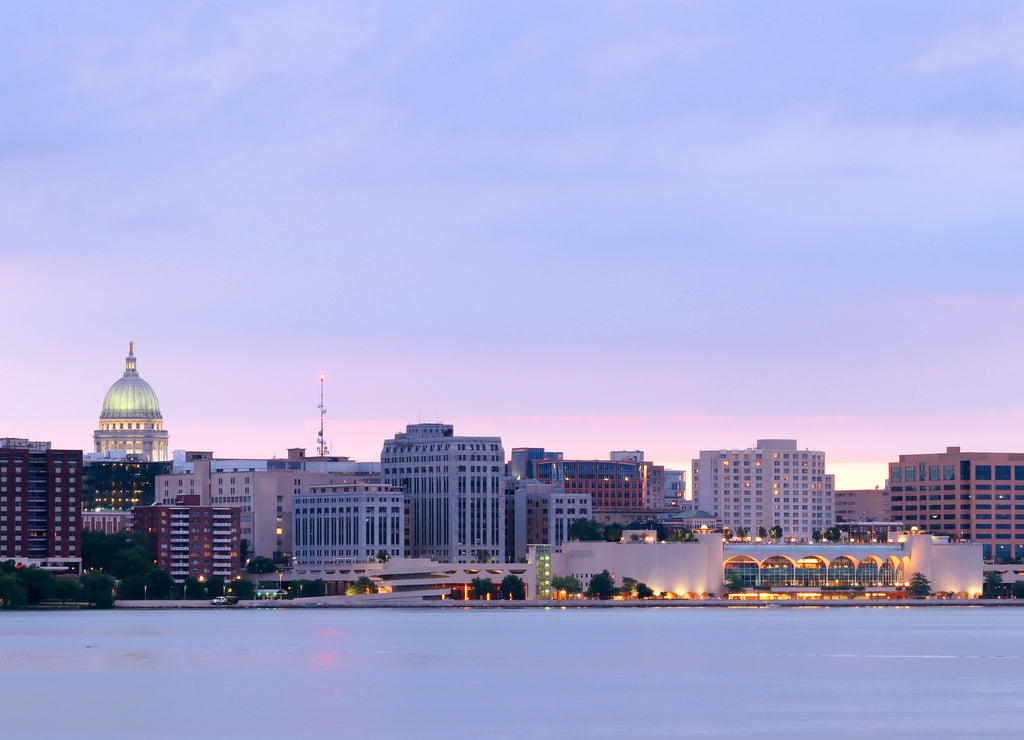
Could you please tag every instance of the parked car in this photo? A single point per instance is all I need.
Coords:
(219, 601)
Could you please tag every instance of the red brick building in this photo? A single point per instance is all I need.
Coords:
(40, 502)
(188, 540)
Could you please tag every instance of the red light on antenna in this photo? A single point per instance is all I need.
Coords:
(323, 376)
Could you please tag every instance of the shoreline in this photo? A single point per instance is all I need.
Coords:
(350, 603)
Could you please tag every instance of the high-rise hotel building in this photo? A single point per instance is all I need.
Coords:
(976, 496)
(454, 494)
(772, 484)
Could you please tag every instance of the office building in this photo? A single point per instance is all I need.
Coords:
(620, 491)
(119, 484)
(976, 496)
(454, 492)
(862, 505)
(522, 461)
(262, 490)
(349, 523)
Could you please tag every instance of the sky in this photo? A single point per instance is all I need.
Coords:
(584, 226)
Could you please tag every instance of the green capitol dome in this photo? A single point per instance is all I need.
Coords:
(130, 421)
(131, 397)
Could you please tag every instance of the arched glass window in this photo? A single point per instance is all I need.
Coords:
(867, 572)
(745, 567)
(810, 571)
(841, 571)
(777, 571)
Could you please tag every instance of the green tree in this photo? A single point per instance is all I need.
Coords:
(566, 583)
(654, 524)
(242, 588)
(1017, 589)
(742, 532)
(133, 562)
(602, 586)
(215, 586)
(585, 530)
(643, 591)
(12, 592)
(97, 589)
(512, 587)
(628, 587)
(613, 533)
(383, 556)
(734, 582)
(727, 533)
(132, 587)
(66, 589)
(482, 587)
(261, 565)
(993, 586)
(833, 534)
(682, 535)
(362, 585)
(775, 532)
(193, 588)
(482, 556)
(38, 583)
(158, 584)
(920, 586)
(816, 535)
(762, 533)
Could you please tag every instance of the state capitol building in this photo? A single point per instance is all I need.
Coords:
(130, 421)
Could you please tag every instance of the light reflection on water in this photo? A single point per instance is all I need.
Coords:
(517, 673)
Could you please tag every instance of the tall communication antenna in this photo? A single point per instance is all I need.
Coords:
(320, 441)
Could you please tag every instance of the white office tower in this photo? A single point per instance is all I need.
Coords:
(454, 497)
(772, 484)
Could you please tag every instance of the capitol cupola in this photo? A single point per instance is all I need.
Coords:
(130, 422)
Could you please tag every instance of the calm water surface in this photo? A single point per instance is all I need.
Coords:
(600, 673)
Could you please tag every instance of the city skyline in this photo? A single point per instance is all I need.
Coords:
(669, 227)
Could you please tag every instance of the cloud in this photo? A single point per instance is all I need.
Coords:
(975, 45)
(632, 55)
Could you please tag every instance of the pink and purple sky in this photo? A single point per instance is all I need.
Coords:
(583, 226)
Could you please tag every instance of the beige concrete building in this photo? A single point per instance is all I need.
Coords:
(698, 569)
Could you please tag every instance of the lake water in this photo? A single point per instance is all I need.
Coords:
(535, 673)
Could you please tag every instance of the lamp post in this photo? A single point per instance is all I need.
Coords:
(145, 591)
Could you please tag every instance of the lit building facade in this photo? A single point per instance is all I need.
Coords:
(620, 490)
(977, 496)
(772, 484)
(190, 540)
(698, 570)
(119, 485)
(40, 504)
(454, 492)
(130, 421)
(349, 523)
(523, 459)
